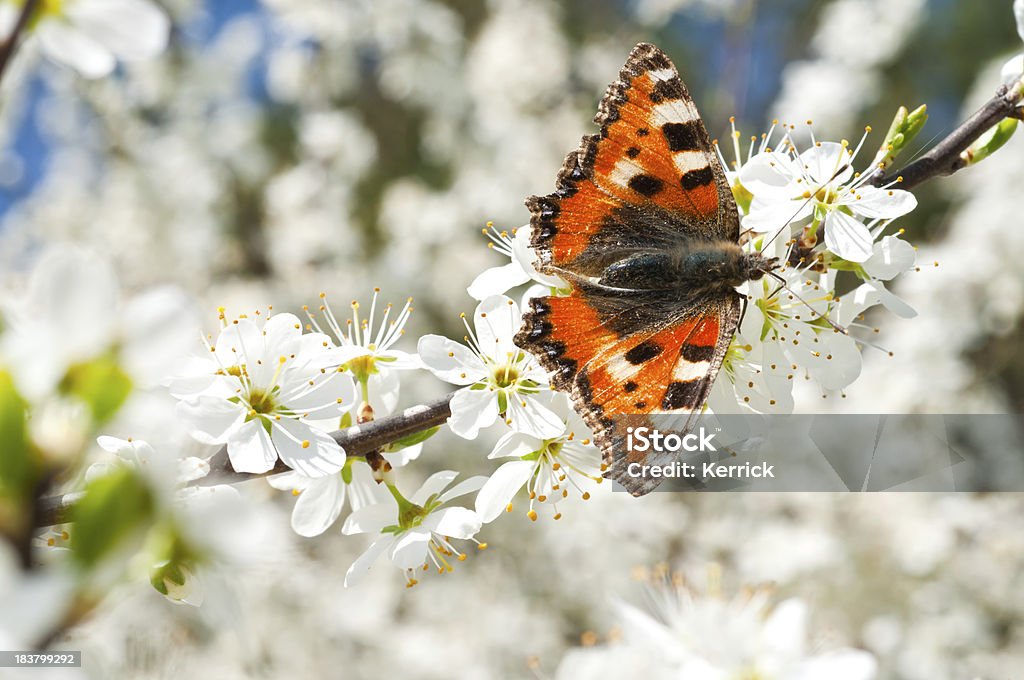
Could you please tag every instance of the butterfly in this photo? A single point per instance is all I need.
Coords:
(644, 227)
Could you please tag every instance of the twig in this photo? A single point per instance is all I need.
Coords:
(357, 440)
(10, 45)
(944, 158)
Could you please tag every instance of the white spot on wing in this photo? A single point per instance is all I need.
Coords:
(675, 111)
(662, 74)
(621, 370)
(690, 160)
(689, 370)
(623, 171)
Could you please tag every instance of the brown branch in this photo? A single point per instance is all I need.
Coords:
(945, 157)
(10, 45)
(358, 440)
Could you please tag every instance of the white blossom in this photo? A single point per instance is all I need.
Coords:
(820, 185)
(259, 391)
(500, 379)
(418, 532)
(549, 468)
(91, 36)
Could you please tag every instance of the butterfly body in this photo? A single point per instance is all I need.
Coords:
(644, 227)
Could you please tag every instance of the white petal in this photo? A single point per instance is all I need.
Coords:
(464, 487)
(450, 361)
(890, 301)
(364, 490)
(496, 320)
(320, 400)
(785, 630)
(847, 237)
(457, 522)
(409, 549)
(319, 506)
(886, 204)
(530, 416)
(434, 485)
(371, 519)
(822, 162)
(306, 449)
(250, 448)
(497, 280)
(472, 410)
(890, 256)
(242, 343)
(64, 43)
(211, 420)
(366, 560)
(765, 216)
(1018, 12)
(770, 176)
(280, 332)
(289, 481)
(131, 29)
(384, 387)
(516, 444)
(502, 486)
(191, 468)
(1012, 70)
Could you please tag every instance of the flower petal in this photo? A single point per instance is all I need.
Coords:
(370, 519)
(886, 204)
(847, 237)
(67, 45)
(462, 488)
(501, 487)
(319, 506)
(528, 415)
(891, 256)
(250, 449)
(409, 549)
(210, 420)
(770, 175)
(827, 163)
(496, 320)
(457, 522)
(450, 361)
(765, 216)
(131, 29)
(363, 563)
(434, 485)
(516, 444)
(306, 449)
(471, 411)
(497, 280)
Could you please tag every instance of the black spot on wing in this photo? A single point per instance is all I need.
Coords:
(645, 184)
(683, 136)
(697, 178)
(683, 394)
(630, 386)
(633, 151)
(667, 89)
(697, 353)
(641, 405)
(643, 352)
(642, 132)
